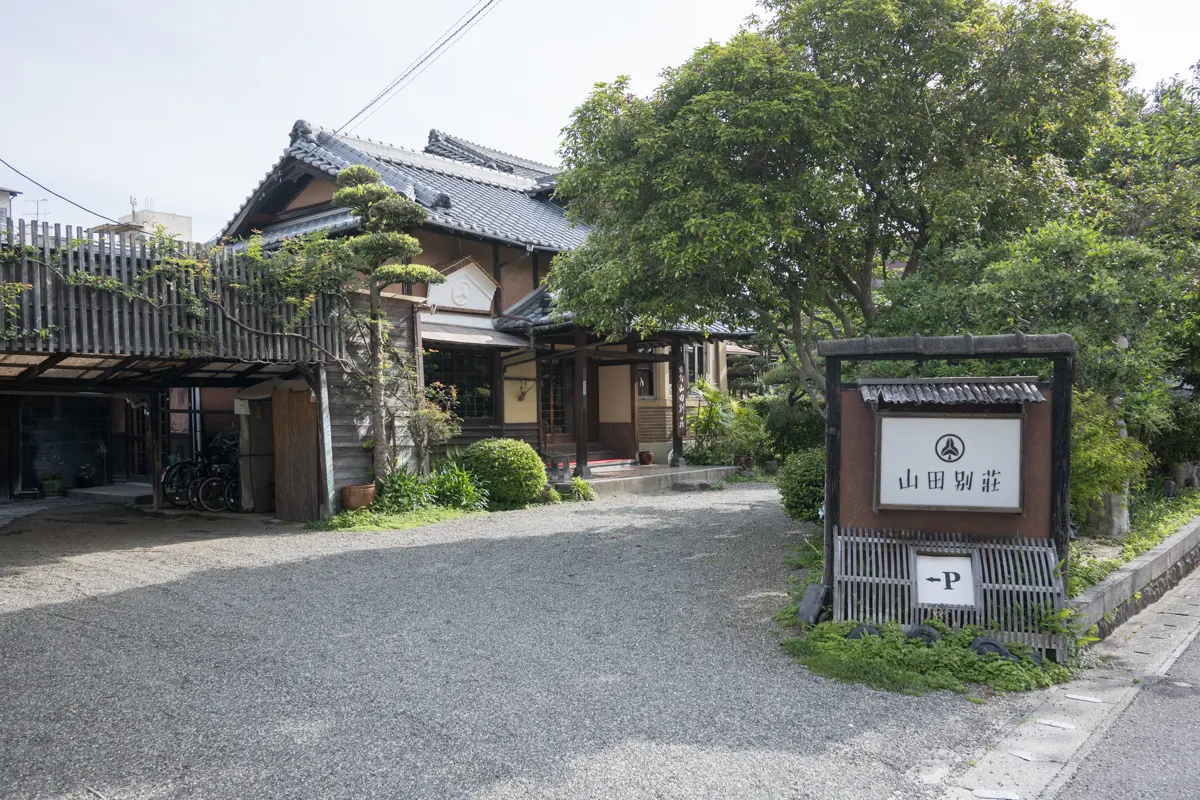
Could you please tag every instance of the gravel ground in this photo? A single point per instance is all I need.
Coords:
(617, 649)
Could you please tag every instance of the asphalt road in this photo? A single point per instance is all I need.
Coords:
(1151, 751)
(618, 649)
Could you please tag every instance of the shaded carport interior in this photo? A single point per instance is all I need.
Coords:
(78, 382)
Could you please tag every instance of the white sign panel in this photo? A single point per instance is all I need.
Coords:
(950, 462)
(945, 581)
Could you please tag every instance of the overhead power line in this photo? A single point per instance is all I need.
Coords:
(56, 194)
(472, 17)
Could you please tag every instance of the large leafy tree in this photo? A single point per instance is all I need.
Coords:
(775, 179)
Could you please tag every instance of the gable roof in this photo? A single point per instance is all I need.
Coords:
(443, 144)
(460, 195)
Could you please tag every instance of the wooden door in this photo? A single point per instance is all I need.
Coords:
(297, 465)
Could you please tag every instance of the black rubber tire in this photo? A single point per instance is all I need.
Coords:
(863, 630)
(925, 634)
(233, 494)
(175, 482)
(193, 492)
(212, 494)
(986, 645)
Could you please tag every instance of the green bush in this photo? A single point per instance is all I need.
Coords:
(548, 496)
(748, 433)
(791, 426)
(1182, 442)
(399, 492)
(451, 486)
(581, 491)
(1102, 460)
(510, 471)
(801, 483)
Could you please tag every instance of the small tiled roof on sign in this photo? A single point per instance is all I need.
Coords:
(950, 391)
(461, 196)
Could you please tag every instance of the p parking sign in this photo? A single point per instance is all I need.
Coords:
(944, 580)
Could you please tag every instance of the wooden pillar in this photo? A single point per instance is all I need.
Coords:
(581, 405)
(537, 277)
(537, 412)
(678, 403)
(833, 459)
(325, 431)
(1060, 458)
(156, 446)
(498, 274)
(498, 391)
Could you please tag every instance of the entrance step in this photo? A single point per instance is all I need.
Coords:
(127, 494)
(646, 480)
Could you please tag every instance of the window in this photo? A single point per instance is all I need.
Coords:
(645, 379)
(695, 359)
(471, 373)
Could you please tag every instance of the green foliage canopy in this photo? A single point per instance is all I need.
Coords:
(769, 180)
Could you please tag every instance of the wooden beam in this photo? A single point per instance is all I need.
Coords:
(29, 375)
(678, 403)
(325, 433)
(1060, 458)
(833, 460)
(497, 275)
(168, 375)
(120, 366)
(581, 404)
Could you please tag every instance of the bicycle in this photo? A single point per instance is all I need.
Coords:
(221, 492)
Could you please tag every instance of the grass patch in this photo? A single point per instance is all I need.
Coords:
(366, 520)
(1152, 520)
(892, 663)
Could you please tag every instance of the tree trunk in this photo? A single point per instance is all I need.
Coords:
(378, 423)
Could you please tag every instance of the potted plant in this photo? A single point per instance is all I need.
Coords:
(52, 484)
(86, 477)
(360, 495)
(645, 457)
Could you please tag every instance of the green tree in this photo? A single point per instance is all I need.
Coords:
(1118, 297)
(774, 179)
(382, 256)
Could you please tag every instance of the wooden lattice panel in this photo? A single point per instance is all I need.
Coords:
(1020, 584)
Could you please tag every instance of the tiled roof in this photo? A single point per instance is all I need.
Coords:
(537, 309)
(443, 144)
(950, 391)
(459, 196)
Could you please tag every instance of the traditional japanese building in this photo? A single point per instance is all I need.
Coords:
(521, 369)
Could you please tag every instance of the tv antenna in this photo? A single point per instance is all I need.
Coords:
(37, 210)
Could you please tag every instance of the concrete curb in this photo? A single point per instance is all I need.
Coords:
(1124, 592)
(644, 484)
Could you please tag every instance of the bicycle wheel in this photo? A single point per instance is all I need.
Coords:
(193, 491)
(175, 482)
(212, 494)
(233, 493)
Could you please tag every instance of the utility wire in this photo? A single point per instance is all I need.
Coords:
(468, 20)
(436, 42)
(56, 194)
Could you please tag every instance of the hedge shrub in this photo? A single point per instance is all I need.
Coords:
(510, 471)
(801, 483)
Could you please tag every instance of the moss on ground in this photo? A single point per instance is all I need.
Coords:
(367, 520)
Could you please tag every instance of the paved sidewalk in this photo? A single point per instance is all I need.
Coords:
(1052, 745)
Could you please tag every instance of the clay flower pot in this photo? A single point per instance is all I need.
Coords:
(358, 496)
(645, 458)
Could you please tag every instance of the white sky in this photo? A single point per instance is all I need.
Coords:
(190, 102)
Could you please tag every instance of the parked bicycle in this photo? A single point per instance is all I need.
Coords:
(183, 482)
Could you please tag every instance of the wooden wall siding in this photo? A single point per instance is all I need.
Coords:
(349, 427)
(654, 424)
(83, 320)
(297, 492)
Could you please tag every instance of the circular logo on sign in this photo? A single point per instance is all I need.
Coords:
(461, 293)
(949, 448)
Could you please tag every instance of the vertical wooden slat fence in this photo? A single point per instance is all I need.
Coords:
(56, 317)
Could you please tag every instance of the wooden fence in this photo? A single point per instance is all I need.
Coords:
(52, 315)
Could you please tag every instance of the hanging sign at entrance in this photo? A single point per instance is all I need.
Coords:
(944, 580)
(959, 462)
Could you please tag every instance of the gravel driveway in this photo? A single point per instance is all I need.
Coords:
(617, 649)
